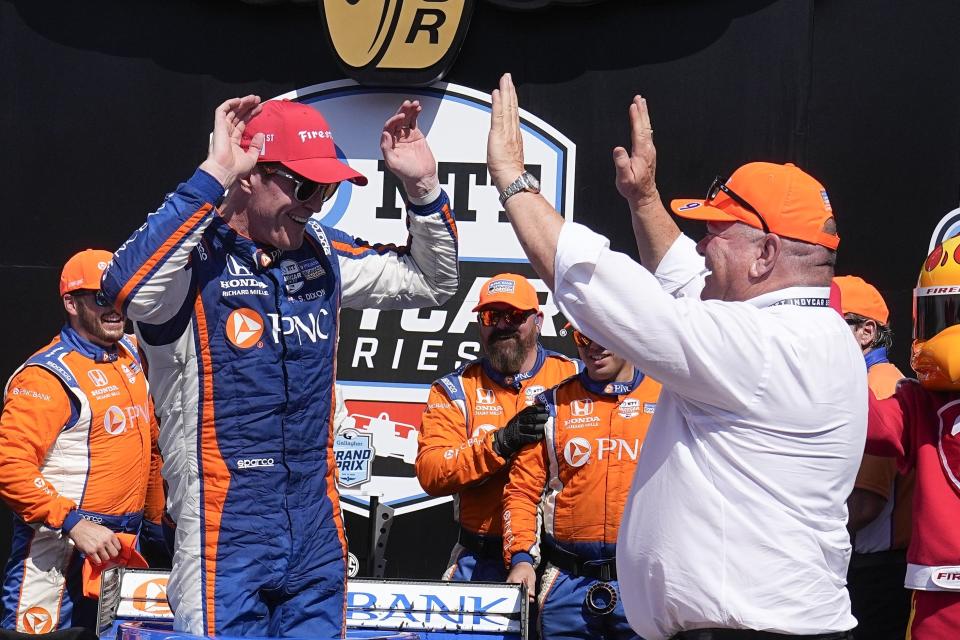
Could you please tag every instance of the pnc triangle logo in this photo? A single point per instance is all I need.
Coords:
(114, 420)
(244, 328)
(37, 620)
(151, 597)
(577, 452)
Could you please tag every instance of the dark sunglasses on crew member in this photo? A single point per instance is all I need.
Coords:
(304, 189)
(581, 340)
(492, 317)
(720, 184)
(98, 296)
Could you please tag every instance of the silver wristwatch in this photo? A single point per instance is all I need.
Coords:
(526, 182)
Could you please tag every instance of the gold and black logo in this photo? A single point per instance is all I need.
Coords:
(396, 42)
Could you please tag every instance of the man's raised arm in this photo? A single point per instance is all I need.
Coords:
(147, 278)
(653, 227)
(536, 223)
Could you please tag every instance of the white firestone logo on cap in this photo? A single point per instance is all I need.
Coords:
(310, 135)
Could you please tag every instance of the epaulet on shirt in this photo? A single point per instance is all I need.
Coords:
(450, 383)
(551, 394)
(567, 380)
(321, 234)
(129, 342)
(556, 354)
(51, 359)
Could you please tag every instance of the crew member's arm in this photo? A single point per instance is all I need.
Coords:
(447, 459)
(423, 272)
(521, 500)
(521, 526)
(36, 409)
(147, 277)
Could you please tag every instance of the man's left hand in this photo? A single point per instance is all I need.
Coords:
(406, 152)
(505, 141)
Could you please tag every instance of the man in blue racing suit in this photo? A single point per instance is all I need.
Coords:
(236, 300)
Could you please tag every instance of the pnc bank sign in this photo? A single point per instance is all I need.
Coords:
(404, 42)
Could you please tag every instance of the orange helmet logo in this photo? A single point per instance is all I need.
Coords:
(37, 620)
(151, 597)
(244, 328)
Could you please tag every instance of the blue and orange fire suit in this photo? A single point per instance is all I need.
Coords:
(241, 341)
(78, 440)
(576, 483)
(456, 456)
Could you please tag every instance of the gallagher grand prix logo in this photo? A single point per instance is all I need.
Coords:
(404, 42)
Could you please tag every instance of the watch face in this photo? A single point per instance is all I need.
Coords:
(526, 181)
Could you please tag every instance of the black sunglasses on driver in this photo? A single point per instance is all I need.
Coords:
(303, 189)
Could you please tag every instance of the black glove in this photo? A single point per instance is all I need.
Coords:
(524, 428)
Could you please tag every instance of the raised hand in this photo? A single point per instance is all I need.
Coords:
(226, 159)
(406, 152)
(636, 171)
(505, 140)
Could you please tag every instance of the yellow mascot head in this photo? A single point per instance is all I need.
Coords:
(936, 319)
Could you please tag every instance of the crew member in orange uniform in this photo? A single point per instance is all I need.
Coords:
(577, 481)
(919, 425)
(479, 416)
(80, 461)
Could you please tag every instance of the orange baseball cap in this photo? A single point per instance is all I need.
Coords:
(83, 270)
(511, 289)
(860, 297)
(792, 203)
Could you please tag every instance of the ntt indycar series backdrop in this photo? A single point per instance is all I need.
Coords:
(106, 105)
(388, 359)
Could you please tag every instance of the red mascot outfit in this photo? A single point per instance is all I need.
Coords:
(920, 426)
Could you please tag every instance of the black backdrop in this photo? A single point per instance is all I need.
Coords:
(105, 106)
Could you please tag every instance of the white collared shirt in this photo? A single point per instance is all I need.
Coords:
(737, 514)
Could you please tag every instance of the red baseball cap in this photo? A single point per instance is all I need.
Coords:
(862, 298)
(510, 289)
(297, 136)
(793, 204)
(83, 270)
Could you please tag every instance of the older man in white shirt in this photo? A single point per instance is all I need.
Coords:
(735, 527)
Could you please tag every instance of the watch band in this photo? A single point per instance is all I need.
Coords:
(524, 182)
